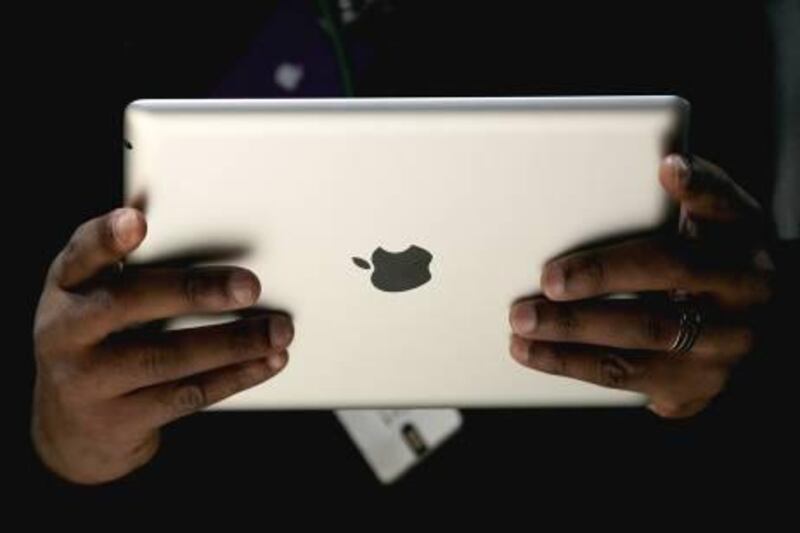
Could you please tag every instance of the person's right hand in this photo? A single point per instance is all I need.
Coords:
(100, 398)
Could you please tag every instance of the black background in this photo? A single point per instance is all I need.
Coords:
(81, 70)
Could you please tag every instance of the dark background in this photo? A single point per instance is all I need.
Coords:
(719, 58)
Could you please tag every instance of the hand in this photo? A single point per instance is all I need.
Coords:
(720, 262)
(102, 394)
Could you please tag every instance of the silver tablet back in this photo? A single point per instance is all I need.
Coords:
(397, 232)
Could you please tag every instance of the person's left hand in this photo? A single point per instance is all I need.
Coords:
(626, 343)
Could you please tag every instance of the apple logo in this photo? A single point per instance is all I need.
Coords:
(398, 271)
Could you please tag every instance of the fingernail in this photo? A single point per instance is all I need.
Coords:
(680, 168)
(242, 287)
(280, 330)
(519, 349)
(523, 318)
(554, 282)
(277, 361)
(124, 226)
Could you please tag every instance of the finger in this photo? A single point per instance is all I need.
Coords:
(143, 294)
(622, 324)
(652, 264)
(672, 384)
(210, 253)
(172, 355)
(155, 406)
(705, 191)
(600, 366)
(671, 410)
(96, 245)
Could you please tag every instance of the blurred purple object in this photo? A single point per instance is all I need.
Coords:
(291, 57)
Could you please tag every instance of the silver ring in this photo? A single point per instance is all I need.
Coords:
(689, 326)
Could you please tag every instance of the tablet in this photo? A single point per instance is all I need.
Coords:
(398, 232)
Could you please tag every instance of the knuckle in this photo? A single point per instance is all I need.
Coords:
(153, 361)
(191, 288)
(549, 358)
(566, 319)
(204, 289)
(612, 372)
(592, 268)
(189, 398)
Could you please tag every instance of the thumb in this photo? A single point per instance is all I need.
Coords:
(705, 191)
